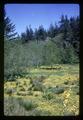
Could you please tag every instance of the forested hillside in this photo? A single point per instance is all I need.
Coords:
(57, 45)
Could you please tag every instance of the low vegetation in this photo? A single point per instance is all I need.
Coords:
(44, 93)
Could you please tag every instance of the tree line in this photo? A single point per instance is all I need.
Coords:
(59, 44)
(69, 28)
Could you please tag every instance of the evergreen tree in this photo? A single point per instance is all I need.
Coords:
(28, 35)
(65, 29)
(41, 33)
(75, 27)
(23, 37)
(56, 29)
(9, 28)
(51, 31)
(36, 35)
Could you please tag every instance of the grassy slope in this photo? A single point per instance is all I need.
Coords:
(47, 103)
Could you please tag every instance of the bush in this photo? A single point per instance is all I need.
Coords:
(56, 90)
(48, 95)
(12, 60)
(51, 54)
(37, 86)
(50, 92)
(66, 82)
(27, 104)
(10, 91)
(75, 90)
(69, 56)
(18, 56)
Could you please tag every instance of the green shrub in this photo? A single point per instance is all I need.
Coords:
(10, 91)
(75, 90)
(66, 82)
(56, 90)
(13, 60)
(50, 92)
(37, 86)
(41, 78)
(69, 56)
(48, 95)
(27, 104)
(18, 56)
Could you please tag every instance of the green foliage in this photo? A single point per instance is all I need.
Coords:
(18, 56)
(10, 91)
(9, 28)
(28, 35)
(48, 95)
(52, 100)
(37, 86)
(52, 31)
(75, 90)
(40, 34)
(50, 92)
(27, 104)
(69, 55)
(51, 54)
(66, 82)
(13, 60)
(56, 90)
(60, 48)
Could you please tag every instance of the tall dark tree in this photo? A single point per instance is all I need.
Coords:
(41, 33)
(75, 27)
(70, 29)
(36, 35)
(23, 37)
(9, 28)
(51, 31)
(64, 29)
(56, 29)
(28, 35)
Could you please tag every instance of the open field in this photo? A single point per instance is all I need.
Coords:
(44, 91)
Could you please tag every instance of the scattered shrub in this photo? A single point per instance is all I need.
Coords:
(66, 82)
(27, 104)
(48, 95)
(75, 90)
(56, 90)
(37, 86)
(41, 78)
(10, 91)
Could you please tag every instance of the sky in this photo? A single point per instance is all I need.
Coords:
(23, 15)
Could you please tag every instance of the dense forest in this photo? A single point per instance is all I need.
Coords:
(57, 45)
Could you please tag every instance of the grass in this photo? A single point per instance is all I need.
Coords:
(44, 92)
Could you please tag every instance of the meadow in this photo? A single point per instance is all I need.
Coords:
(44, 91)
(41, 68)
